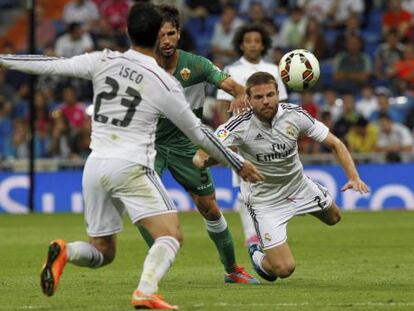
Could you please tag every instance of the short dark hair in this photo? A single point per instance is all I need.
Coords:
(170, 14)
(144, 22)
(239, 36)
(259, 78)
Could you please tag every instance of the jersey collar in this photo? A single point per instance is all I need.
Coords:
(140, 56)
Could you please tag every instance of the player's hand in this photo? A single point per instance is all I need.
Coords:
(200, 159)
(239, 105)
(250, 173)
(356, 184)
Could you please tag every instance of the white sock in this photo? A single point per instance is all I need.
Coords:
(84, 254)
(246, 219)
(258, 259)
(216, 226)
(159, 259)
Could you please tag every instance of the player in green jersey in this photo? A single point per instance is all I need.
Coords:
(175, 151)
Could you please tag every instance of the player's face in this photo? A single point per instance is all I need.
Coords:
(168, 37)
(264, 100)
(252, 46)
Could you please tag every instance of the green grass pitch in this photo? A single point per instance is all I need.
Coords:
(366, 262)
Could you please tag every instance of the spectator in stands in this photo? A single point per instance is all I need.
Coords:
(340, 10)
(393, 138)
(276, 55)
(72, 109)
(403, 71)
(83, 12)
(368, 103)
(314, 40)
(387, 55)
(59, 146)
(315, 8)
(203, 8)
(352, 68)
(332, 104)
(348, 119)
(42, 125)
(45, 30)
(257, 13)
(224, 30)
(293, 28)
(20, 140)
(362, 136)
(6, 128)
(306, 144)
(275, 36)
(352, 28)
(409, 119)
(384, 107)
(116, 12)
(398, 19)
(269, 6)
(81, 140)
(6, 91)
(74, 42)
(105, 37)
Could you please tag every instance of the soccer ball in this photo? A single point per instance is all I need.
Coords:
(299, 69)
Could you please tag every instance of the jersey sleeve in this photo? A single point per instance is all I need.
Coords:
(179, 112)
(211, 72)
(81, 66)
(312, 127)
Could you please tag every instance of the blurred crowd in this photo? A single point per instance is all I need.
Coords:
(365, 48)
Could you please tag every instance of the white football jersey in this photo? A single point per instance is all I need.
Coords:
(272, 149)
(241, 70)
(130, 93)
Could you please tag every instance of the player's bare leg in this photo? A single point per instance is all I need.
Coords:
(98, 252)
(273, 262)
(219, 233)
(330, 216)
(167, 239)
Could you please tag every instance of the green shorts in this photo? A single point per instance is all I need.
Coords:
(180, 164)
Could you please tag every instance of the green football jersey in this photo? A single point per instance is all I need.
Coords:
(192, 71)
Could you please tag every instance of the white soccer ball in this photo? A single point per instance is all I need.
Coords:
(299, 69)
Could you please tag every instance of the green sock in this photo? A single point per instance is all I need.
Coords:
(221, 236)
(146, 235)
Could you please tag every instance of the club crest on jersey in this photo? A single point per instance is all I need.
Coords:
(185, 73)
(290, 131)
(268, 237)
(222, 134)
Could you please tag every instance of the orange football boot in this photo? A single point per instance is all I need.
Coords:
(53, 267)
(141, 301)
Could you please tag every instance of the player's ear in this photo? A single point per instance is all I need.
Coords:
(179, 35)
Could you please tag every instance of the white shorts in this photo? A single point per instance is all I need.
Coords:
(271, 222)
(111, 186)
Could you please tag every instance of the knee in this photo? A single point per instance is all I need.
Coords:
(334, 219)
(108, 255)
(208, 209)
(283, 270)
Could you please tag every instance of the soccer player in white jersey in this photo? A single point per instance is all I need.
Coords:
(129, 96)
(252, 42)
(267, 136)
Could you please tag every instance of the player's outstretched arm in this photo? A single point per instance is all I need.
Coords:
(80, 66)
(345, 160)
(202, 160)
(239, 104)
